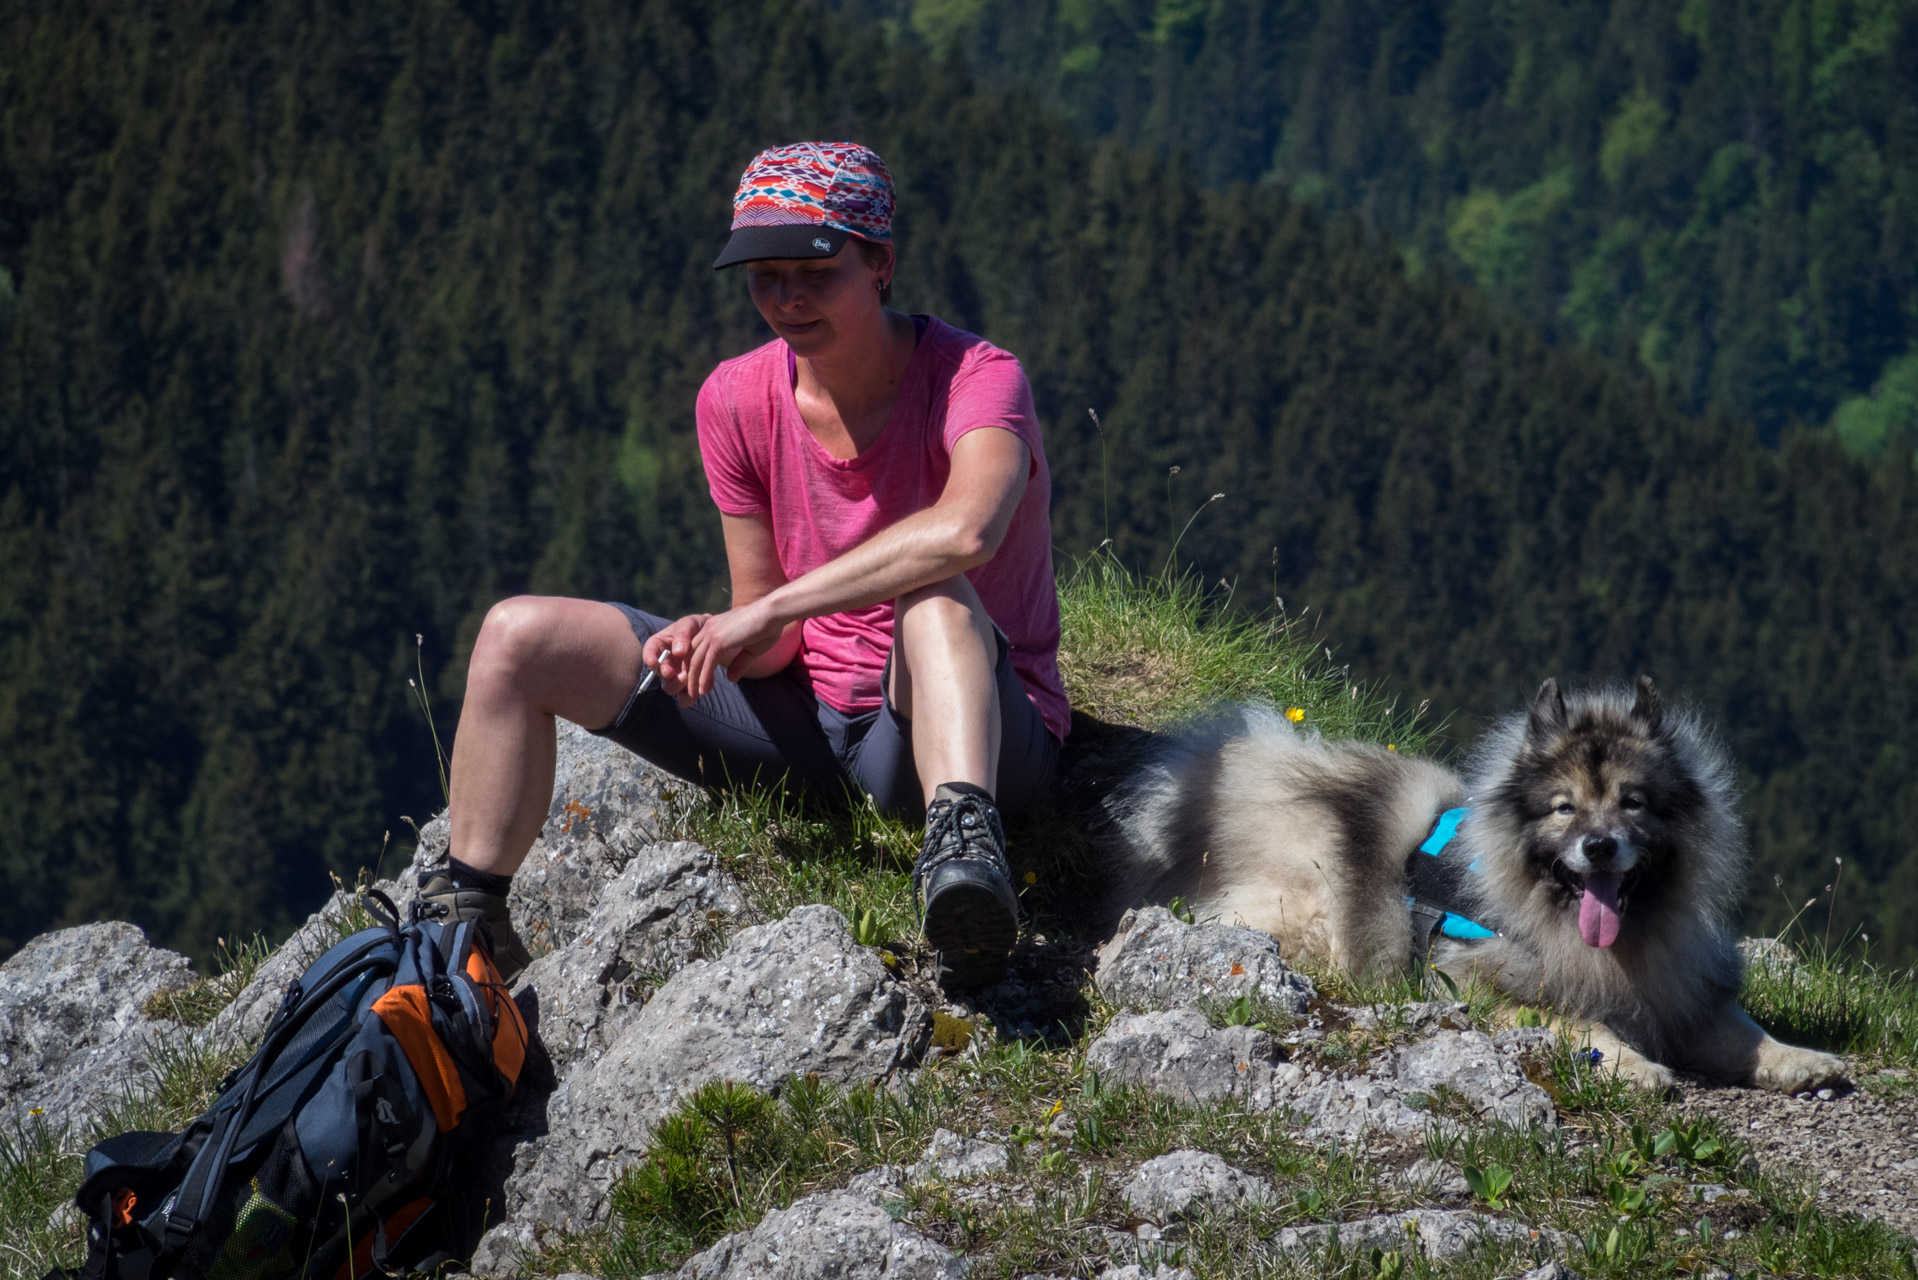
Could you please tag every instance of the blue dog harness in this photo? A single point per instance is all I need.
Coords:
(1438, 890)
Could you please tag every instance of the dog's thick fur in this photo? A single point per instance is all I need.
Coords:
(1603, 800)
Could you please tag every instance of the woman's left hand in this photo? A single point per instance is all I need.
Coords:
(729, 640)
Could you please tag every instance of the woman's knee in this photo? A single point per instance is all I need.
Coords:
(950, 606)
(513, 640)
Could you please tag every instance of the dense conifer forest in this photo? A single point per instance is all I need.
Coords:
(324, 326)
(1727, 190)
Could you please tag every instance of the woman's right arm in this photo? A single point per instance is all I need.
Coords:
(752, 560)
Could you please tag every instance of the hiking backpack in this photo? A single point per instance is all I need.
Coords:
(327, 1152)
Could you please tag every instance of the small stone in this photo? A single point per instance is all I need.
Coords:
(1180, 1054)
(952, 1158)
(1157, 961)
(830, 1235)
(1184, 1184)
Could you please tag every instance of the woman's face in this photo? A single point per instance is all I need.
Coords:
(814, 302)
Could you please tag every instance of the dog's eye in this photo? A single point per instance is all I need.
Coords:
(1631, 802)
(1565, 809)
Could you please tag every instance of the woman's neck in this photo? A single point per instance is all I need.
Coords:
(864, 373)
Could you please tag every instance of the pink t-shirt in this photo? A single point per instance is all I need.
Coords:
(760, 457)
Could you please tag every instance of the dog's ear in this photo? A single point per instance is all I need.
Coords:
(1547, 720)
(1648, 713)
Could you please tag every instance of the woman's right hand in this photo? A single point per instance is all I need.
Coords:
(666, 652)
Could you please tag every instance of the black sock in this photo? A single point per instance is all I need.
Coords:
(465, 877)
(969, 789)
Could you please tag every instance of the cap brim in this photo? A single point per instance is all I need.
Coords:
(756, 244)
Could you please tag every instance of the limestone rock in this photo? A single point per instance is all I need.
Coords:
(952, 1158)
(1429, 1179)
(1418, 1016)
(881, 1185)
(1348, 1108)
(1157, 961)
(74, 1037)
(505, 1250)
(1467, 1063)
(1554, 1270)
(1186, 1184)
(671, 902)
(830, 1236)
(1440, 1233)
(1133, 1271)
(1178, 1053)
(794, 997)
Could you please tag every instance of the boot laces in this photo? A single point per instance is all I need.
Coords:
(963, 827)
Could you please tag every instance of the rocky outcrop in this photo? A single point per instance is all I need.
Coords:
(1157, 961)
(794, 997)
(75, 1037)
(670, 905)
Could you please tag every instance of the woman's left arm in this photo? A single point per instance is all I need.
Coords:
(960, 531)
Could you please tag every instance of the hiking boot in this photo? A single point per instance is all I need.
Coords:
(440, 897)
(971, 913)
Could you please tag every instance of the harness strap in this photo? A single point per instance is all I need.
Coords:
(1437, 892)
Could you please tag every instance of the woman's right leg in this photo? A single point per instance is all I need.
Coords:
(536, 657)
(539, 657)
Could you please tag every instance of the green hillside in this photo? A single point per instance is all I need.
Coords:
(323, 327)
(1725, 189)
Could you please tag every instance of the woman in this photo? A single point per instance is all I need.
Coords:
(883, 491)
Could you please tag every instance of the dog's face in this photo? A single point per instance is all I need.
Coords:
(1599, 799)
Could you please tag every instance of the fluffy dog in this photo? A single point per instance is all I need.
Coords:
(1597, 858)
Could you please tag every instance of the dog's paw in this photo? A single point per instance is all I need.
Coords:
(1643, 1072)
(1785, 1068)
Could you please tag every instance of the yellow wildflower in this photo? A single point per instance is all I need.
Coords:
(1032, 877)
(1295, 714)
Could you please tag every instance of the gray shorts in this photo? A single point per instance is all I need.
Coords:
(777, 729)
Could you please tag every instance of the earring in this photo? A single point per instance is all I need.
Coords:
(879, 284)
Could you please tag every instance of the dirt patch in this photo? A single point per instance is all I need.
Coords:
(1862, 1146)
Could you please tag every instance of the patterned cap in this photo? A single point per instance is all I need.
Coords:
(804, 199)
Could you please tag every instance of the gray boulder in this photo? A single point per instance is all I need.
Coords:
(1439, 1233)
(952, 1158)
(830, 1236)
(74, 1035)
(1157, 961)
(1134, 1271)
(791, 998)
(1185, 1184)
(671, 903)
(1467, 1063)
(1178, 1053)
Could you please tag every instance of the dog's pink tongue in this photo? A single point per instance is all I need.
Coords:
(1598, 911)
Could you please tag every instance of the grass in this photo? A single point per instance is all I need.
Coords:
(1845, 1003)
(1156, 650)
(199, 1004)
(40, 1166)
